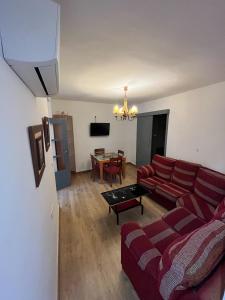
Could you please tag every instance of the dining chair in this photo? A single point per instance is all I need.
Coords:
(120, 153)
(99, 151)
(94, 168)
(113, 168)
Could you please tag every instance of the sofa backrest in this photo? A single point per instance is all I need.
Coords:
(163, 166)
(184, 174)
(210, 186)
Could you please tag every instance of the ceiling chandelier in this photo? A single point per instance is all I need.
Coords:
(123, 112)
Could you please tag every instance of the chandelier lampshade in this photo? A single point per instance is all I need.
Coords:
(123, 112)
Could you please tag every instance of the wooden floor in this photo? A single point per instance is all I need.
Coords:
(89, 242)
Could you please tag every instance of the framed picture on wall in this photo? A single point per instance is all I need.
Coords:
(37, 151)
(45, 123)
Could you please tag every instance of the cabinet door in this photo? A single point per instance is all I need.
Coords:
(70, 139)
(62, 174)
(144, 140)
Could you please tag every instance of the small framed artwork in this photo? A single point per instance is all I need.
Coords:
(37, 151)
(45, 123)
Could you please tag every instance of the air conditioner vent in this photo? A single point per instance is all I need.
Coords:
(41, 79)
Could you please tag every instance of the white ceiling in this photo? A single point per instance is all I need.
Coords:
(156, 47)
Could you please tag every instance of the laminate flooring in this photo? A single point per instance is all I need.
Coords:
(89, 240)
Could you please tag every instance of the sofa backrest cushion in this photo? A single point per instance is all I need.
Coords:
(210, 186)
(184, 174)
(163, 166)
(190, 259)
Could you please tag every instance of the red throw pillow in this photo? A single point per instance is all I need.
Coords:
(146, 171)
(190, 259)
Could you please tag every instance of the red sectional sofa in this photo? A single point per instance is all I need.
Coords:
(181, 255)
(180, 183)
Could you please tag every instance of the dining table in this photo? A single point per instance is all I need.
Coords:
(104, 159)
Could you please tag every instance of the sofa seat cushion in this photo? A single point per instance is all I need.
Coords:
(184, 174)
(171, 191)
(163, 166)
(160, 234)
(182, 220)
(190, 259)
(152, 182)
(146, 255)
(210, 186)
(197, 206)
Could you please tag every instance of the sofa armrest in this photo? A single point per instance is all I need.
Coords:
(144, 253)
(145, 172)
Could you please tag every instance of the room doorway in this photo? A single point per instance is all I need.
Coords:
(151, 135)
(159, 134)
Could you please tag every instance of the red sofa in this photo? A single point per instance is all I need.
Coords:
(181, 183)
(155, 257)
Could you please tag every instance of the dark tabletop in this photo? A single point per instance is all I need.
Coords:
(125, 194)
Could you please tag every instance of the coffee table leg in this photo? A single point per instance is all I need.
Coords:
(117, 218)
(142, 206)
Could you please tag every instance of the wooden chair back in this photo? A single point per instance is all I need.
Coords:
(116, 161)
(99, 151)
(120, 153)
(93, 167)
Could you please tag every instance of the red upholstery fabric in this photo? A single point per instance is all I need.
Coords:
(190, 259)
(144, 284)
(213, 288)
(210, 186)
(145, 172)
(112, 169)
(179, 234)
(219, 213)
(184, 174)
(146, 255)
(152, 182)
(160, 234)
(171, 191)
(182, 221)
(196, 205)
(125, 205)
(163, 166)
(129, 227)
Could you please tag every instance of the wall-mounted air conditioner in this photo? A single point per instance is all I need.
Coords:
(30, 42)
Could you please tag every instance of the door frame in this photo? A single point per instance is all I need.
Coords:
(158, 112)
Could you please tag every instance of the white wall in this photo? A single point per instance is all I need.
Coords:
(196, 129)
(28, 232)
(122, 133)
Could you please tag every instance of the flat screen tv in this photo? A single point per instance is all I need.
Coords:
(99, 129)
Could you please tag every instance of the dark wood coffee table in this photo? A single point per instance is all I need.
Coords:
(124, 198)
